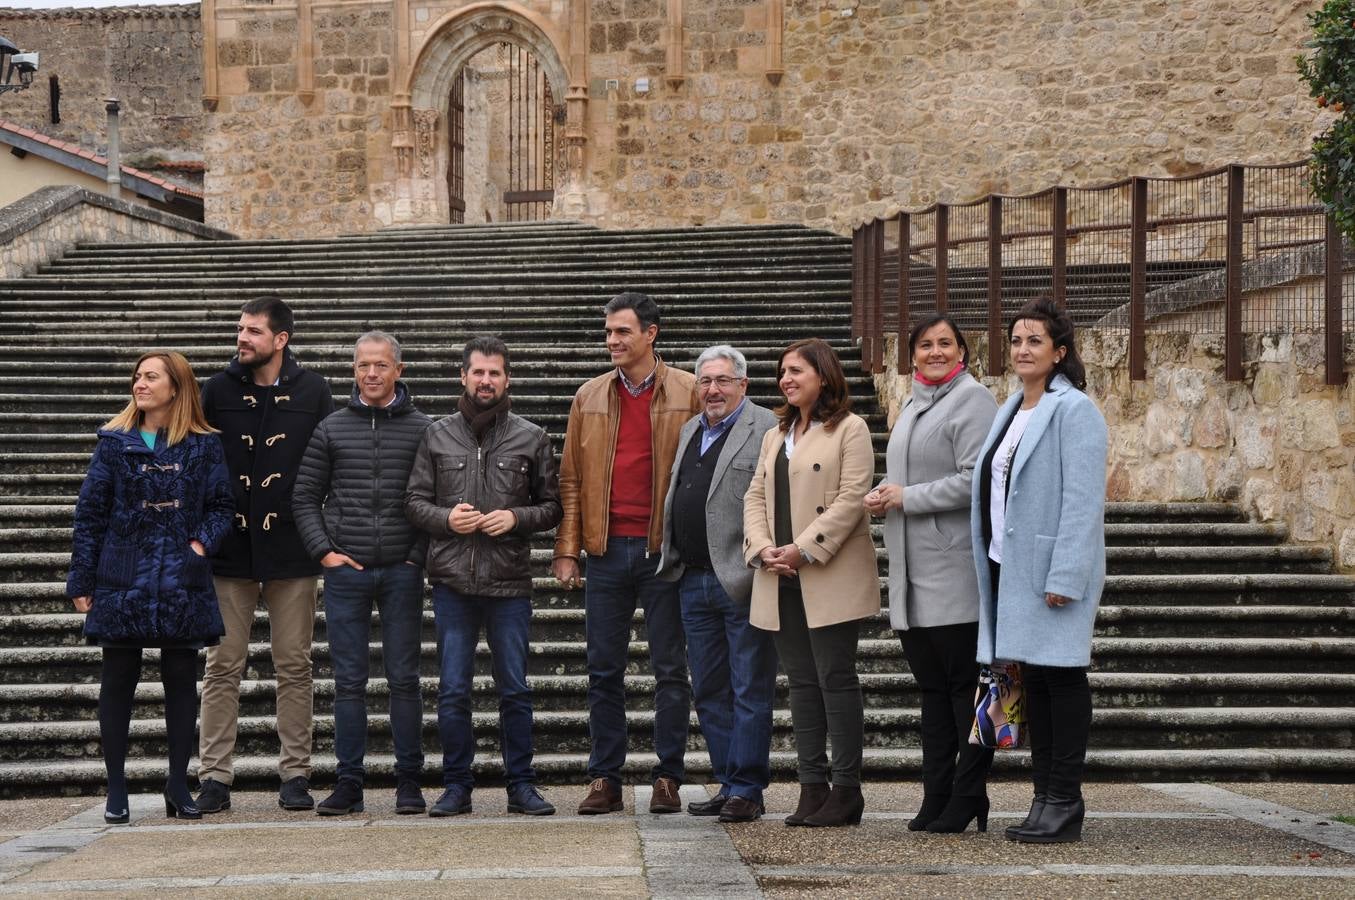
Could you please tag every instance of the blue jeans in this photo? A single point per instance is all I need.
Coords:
(617, 581)
(733, 682)
(506, 621)
(397, 591)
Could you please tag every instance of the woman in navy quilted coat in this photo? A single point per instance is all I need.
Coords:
(154, 506)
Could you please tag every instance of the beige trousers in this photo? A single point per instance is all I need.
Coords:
(291, 621)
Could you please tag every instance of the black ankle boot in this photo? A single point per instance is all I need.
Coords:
(1036, 807)
(932, 807)
(843, 807)
(1060, 822)
(958, 814)
(812, 796)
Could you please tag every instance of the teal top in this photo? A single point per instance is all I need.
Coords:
(149, 438)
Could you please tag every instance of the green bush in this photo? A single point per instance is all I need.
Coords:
(1329, 71)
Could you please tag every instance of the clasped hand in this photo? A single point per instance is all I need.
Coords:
(466, 519)
(883, 498)
(783, 560)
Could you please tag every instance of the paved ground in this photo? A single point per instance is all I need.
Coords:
(1159, 840)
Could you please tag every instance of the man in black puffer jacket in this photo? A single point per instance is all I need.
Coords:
(349, 508)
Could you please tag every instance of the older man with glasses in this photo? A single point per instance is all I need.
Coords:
(733, 664)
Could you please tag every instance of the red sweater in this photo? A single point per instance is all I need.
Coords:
(632, 466)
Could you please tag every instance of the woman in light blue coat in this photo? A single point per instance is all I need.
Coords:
(1039, 549)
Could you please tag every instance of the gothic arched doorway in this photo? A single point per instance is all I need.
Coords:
(502, 118)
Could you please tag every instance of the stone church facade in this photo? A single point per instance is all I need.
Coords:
(327, 116)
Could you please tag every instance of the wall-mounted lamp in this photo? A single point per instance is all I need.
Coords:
(12, 62)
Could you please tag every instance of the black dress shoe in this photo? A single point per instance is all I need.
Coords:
(741, 809)
(959, 813)
(1060, 822)
(295, 794)
(930, 811)
(182, 809)
(213, 796)
(709, 807)
(121, 817)
(1036, 807)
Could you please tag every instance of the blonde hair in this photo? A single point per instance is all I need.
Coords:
(185, 411)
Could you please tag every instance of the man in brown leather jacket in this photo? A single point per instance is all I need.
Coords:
(483, 483)
(619, 448)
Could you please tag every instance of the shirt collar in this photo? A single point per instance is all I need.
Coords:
(636, 390)
(724, 423)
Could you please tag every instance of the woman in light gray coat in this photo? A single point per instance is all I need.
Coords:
(1040, 555)
(933, 596)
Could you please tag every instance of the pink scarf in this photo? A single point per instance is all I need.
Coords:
(923, 379)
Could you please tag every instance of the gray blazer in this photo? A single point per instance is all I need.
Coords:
(724, 504)
(932, 452)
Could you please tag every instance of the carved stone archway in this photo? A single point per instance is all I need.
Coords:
(419, 141)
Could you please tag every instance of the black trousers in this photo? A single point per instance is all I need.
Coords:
(1059, 719)
(1059, 707)
(942, 661)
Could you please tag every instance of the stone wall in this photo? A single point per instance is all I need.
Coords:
(50, 221)
(1280, 443)
(148, 57)
(882, 103)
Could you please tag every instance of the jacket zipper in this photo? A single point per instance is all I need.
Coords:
(475, 538)
(376, 484)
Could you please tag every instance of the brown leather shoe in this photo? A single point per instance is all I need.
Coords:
(665, 799)
(741, 809)
(603, 797)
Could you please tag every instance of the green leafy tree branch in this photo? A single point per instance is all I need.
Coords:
(1328, 68)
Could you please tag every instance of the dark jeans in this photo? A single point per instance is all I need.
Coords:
(825, 694)
(616, 582)
(733, 681)
(1059, 706)
(506, 621)
(397, 592)
(942, 661)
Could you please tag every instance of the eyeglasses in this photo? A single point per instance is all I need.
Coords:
(724, 381)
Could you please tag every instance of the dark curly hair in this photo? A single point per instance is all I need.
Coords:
(1059, 325)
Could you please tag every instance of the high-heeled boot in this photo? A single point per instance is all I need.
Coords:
(958, 814)
(812, 796)
(932, 807)
(843, 807)
(1036, 807)
(1060, 822)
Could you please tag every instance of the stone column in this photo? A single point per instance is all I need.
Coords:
(114, 177)
(305, 52)
(572, 200)
(676, 52)
(209, 86)
(776, 16)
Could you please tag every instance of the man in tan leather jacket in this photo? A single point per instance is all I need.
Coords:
(619, 447)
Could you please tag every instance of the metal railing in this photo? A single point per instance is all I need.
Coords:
(1235, 250)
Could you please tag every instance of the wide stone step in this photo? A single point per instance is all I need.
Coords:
(886, 728)
(33, 665)
(56, 701)
(87, 777)
(1213, 559)
(1127, 534)
(555, 624)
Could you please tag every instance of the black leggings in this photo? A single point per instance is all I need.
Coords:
(117, 691)
(942, 660)
(1059, 707)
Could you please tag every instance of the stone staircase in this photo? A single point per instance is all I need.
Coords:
(1221, 650)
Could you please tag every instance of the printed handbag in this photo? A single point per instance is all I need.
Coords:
(999, 708)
